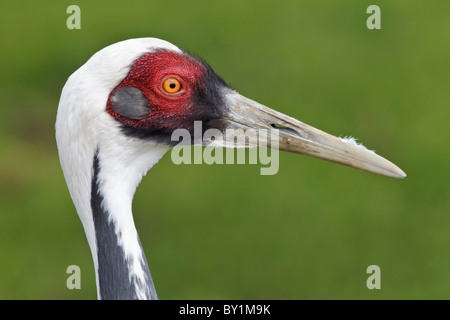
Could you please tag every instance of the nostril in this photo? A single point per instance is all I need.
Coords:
(285, 129)
(278, 126)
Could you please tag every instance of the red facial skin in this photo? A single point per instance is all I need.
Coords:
(166, 110)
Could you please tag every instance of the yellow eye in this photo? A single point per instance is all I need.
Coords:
(171, 85)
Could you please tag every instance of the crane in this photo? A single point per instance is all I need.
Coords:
(115, 119)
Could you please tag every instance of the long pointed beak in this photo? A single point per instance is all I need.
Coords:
(298, 137)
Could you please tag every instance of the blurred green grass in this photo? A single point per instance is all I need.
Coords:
(225, 232)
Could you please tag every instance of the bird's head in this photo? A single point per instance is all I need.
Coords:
(145, 89)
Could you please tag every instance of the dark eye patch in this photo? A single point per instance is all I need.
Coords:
(130, 102)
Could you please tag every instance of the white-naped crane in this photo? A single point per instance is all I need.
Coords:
(115, 119)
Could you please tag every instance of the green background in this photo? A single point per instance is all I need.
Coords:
(224, 231)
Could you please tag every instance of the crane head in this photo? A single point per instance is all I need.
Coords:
(167, 89)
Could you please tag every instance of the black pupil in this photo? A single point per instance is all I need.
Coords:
(172, 85)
